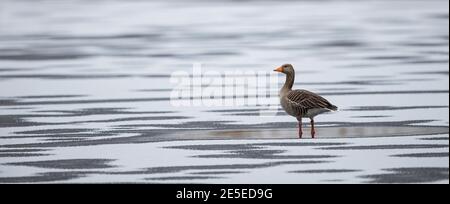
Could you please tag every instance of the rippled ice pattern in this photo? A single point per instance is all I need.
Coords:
(85, 91)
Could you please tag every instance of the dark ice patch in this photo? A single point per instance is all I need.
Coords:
(425, 154)
(326, 171)
(410, 175)
(42, 177)
(374, 147)
(68, 164)
(183, 178)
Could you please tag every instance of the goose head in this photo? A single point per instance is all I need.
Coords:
(285, 68)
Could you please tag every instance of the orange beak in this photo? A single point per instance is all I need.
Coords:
(278, 69)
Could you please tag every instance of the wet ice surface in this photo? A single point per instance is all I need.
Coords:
(360, 160)
(85, 91)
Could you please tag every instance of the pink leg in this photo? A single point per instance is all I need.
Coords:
(313, 130)
(300, 132)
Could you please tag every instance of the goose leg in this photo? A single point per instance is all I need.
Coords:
(313, 131)
(300, 132)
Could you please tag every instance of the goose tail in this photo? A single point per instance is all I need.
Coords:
(333, 107)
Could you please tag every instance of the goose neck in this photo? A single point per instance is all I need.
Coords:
(288, 83)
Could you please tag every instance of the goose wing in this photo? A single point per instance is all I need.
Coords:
(308, 100)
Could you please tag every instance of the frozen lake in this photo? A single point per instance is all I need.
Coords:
(86, 91)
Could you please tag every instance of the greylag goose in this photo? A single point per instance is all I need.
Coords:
(301, 103)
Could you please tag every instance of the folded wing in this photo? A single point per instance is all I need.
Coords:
(304, 99)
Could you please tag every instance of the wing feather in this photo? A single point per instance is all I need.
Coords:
(307, 100)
